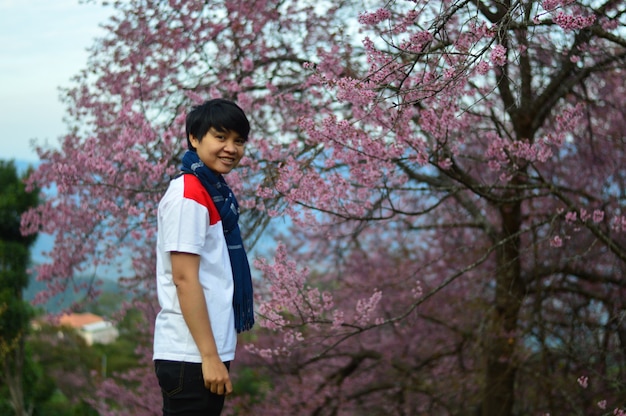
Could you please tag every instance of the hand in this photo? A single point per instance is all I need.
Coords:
(216, 377)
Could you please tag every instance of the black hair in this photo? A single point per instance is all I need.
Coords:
(219, 113)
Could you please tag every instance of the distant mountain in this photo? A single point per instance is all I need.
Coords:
(23, 165)
(107, 284)
(110, 291)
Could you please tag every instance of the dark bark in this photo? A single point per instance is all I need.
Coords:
(500, 338)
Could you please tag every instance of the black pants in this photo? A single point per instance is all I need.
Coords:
(183, 390)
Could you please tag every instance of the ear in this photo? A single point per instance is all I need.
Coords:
(194, 141)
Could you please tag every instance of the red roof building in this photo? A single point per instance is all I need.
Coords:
(93, 328)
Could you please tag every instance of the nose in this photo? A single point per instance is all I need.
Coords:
(229, 146)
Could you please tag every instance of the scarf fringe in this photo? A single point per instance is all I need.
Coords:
(245, 315)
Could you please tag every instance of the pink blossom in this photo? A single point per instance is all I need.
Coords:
(290, 337)
(482, 68)
(609, 24)
(569, 22)
(556, 241)
(598, 215)
(618, 223)
(602, 404)
(550, 5)
(583, 381)
(445, 164)
(417, 291)
(417, 41)
(338, 319)
(571, 216)
(365, 307)
(247, 64)
(584, 215)
(374, 18)
(542, 152)
(498, 55)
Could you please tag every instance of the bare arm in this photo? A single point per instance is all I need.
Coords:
(185, 268)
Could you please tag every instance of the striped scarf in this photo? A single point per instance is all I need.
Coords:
(227, 206)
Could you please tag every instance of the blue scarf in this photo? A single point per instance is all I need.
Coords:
(227, 206)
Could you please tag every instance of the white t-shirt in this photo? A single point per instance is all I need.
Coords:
(189, 222)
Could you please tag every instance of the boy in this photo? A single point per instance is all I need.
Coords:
(203, 277)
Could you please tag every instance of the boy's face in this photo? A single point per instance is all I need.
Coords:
(220, 151)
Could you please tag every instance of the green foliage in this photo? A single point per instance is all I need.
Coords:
(14, 256)
(14, 317)
(60, 405)
(107, 305)
(252, 382)
(68, 363)
(14, 200)
(120, 356)
(38, 388)
(72, 365)
(19, 373)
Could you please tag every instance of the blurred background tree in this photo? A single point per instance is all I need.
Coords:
(18, 380)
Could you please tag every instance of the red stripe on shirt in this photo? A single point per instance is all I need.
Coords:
(194, 190)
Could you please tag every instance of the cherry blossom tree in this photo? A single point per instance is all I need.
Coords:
(446, 181)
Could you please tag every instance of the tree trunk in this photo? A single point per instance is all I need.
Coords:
(14, 379)
(500, 337)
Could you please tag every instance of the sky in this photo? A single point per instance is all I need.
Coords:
(43, 43)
